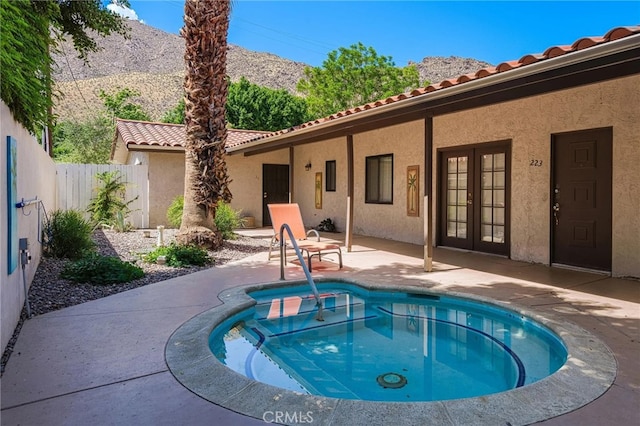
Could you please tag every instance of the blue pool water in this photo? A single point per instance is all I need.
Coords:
(384, 346)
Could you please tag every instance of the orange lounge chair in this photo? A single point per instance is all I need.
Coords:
(290, 214)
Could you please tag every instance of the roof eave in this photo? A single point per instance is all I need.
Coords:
(156, 148)
(572, 58)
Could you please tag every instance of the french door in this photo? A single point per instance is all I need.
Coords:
(474, 194)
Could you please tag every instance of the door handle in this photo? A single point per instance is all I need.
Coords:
(264, 195)
(556, 210)
(469, 198)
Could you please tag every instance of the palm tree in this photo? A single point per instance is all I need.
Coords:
(206, 24)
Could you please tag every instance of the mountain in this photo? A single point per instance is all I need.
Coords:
(151, 62)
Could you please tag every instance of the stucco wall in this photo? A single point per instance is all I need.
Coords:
(529, 124)
(390, 221)
(334, 204)
(166, 182)
(246, 180)
(36, 178)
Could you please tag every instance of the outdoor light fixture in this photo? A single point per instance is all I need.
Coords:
(307, 167)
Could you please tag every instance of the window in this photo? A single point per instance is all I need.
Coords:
(330, 173)
(379, 179)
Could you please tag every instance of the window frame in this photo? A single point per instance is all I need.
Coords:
(330, 176)
(368, 200)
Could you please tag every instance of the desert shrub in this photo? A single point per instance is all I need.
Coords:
(97, 269)
(226, 220)
(120, 223)
(174, 212)
(109, 204)
(67, 234)
(178, 255)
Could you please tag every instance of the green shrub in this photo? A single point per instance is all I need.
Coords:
(120, 223)
(179, 256)
(109, 201)
(68, 234)
(174, 212)
(227, 219)
(98, 269)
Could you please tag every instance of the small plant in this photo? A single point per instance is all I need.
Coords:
(98, 269)
(174, 212)
(120, 223)
(179, 256)
(67, 234)
(109, 200)
(326, 226)
(226, 220)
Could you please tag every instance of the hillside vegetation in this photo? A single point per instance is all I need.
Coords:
(152, 63)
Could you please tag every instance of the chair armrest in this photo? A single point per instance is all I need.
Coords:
(315, 232)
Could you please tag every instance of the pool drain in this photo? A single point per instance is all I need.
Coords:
(392, 380)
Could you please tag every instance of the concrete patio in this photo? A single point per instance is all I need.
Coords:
(103, 362)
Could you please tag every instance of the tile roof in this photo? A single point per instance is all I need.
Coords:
(551, 52)
(144, 133)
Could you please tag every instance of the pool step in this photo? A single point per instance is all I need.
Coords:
(285, 318)
(305, 372)
(312, 377)
(301, 307)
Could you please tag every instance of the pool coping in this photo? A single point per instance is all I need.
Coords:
(589, 372)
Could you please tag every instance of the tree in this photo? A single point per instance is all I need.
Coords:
(206, 24)
(119, 105)
(175, 115)
(30, 30)
(253, 107)
(25, 61)
(88, 142)
(78, 19)
(352, 77)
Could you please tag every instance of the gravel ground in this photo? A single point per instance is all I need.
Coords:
(49, 292)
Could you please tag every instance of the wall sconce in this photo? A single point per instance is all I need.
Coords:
(307, 167)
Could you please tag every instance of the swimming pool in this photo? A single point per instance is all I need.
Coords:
(383, 345)
(588, 372)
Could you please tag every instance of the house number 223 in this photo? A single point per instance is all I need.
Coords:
(535, 163)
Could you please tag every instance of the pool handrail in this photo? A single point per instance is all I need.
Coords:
(316, 294)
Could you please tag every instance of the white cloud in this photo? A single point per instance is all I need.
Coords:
(123, 11)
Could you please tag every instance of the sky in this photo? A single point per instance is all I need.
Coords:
(490, 31)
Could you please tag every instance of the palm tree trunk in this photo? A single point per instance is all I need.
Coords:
(206, 178)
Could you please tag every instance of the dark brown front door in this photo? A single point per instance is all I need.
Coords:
(474, 192)
(275, 188)
(581, 202)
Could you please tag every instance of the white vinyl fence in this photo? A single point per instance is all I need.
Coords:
(77, 185)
